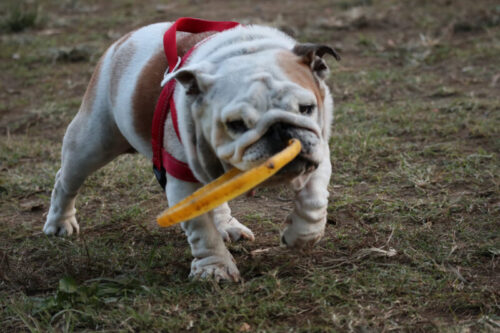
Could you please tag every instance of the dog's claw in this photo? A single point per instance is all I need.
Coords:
(232, 231)
(64, 227)
(216, 268)
(293, 240)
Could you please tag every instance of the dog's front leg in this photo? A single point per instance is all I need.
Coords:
(211, 257)
(229, 227)
(306, 223)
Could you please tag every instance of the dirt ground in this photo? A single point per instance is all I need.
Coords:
(413, 235)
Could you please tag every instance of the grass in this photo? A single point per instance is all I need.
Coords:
(412, 241)
(20, 16)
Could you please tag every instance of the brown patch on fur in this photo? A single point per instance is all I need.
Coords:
(300, 73)
(148, 87)
(122, 40)
(90, 93)
(186, 41)
(147, 92)
(121, 58)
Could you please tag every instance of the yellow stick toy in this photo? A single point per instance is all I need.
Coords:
(227, 187)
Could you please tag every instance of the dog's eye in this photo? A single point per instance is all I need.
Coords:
(237, 126)
(306, 109)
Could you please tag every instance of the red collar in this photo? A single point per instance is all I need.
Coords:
(162, 160)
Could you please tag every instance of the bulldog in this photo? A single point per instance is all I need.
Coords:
(241, 95)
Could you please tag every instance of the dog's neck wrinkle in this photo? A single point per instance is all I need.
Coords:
(241, 40)
(243, 48)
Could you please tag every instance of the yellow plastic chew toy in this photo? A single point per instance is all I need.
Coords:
(228, 186)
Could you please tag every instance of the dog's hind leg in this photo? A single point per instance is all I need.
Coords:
(91, 141)
(89, 144)
(229, 227)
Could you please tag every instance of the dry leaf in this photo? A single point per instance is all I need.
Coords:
(245, 328)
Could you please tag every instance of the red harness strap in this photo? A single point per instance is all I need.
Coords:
(162, 160)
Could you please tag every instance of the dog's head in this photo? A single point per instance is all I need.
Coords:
(246, 108)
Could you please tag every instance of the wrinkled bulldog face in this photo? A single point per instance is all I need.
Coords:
(250, 107)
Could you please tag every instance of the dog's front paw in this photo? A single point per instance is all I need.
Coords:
(215, 267)
(64, 226)
(300, 239)
(232, 230)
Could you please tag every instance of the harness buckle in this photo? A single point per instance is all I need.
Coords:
(161, 176)
(169, 73)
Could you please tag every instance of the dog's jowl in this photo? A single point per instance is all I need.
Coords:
(240, 95)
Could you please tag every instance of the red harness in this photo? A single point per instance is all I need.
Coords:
(162, 160)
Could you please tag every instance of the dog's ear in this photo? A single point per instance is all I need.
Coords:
(312, 55)
(195, 79)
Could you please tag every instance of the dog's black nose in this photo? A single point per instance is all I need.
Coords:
(278, 135)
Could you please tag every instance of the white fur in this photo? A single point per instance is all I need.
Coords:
(240, 79)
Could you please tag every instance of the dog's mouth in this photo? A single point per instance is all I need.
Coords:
(299, 165)
(276, 139)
